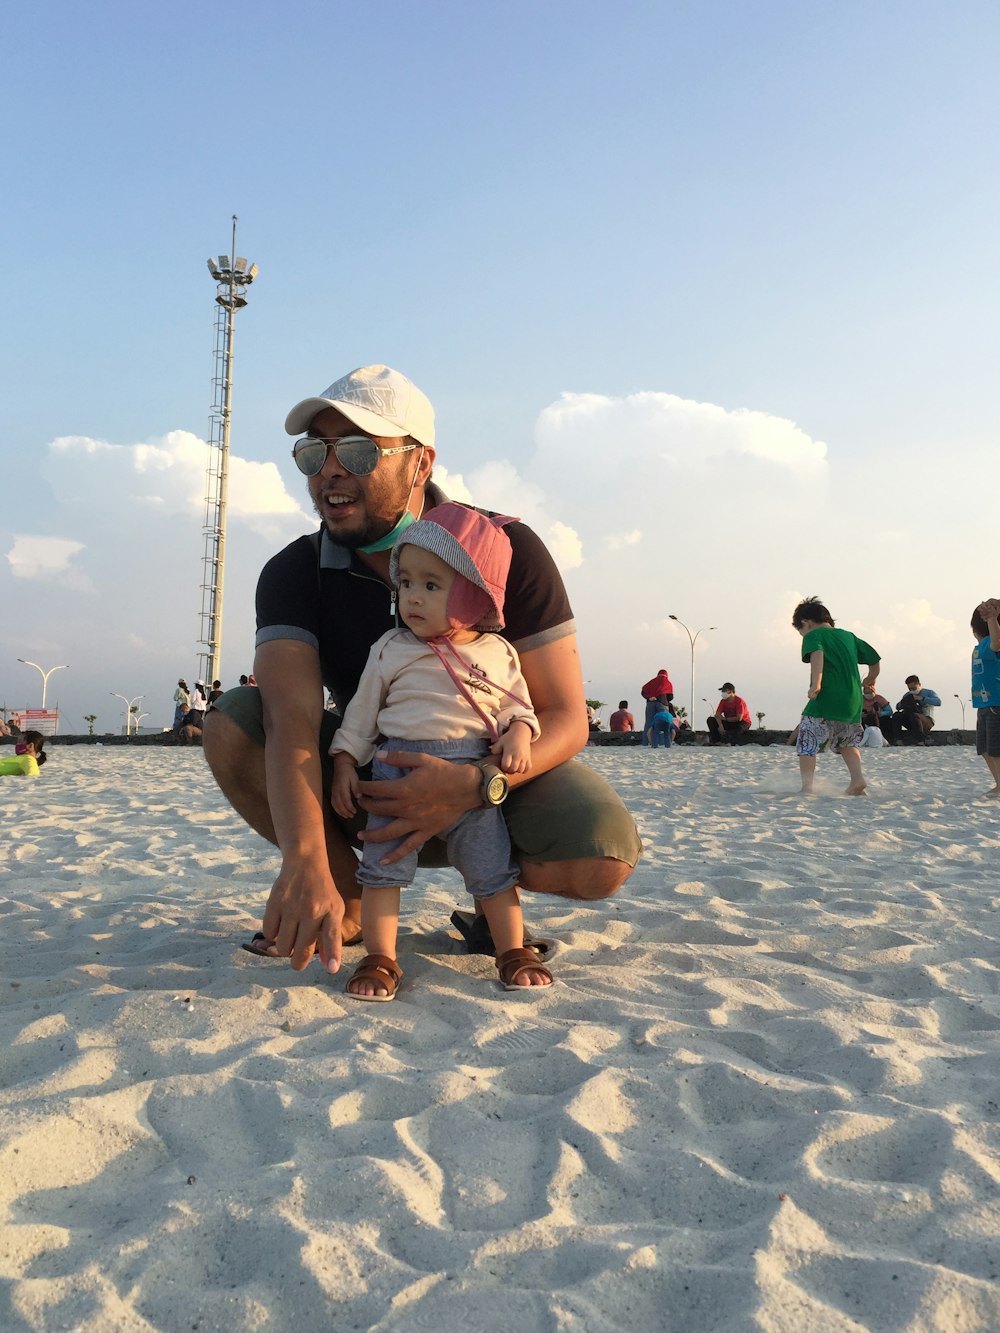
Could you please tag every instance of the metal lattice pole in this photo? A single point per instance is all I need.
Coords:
(232, 276)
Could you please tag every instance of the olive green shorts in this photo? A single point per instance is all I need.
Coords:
(569, 813)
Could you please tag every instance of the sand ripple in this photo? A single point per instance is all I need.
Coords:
(764, 1093)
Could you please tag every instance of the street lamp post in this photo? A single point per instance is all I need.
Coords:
(961, 703)
(45, 674)
(129, 705)
(692, 639)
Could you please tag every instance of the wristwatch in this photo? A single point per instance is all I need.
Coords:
(495, 785)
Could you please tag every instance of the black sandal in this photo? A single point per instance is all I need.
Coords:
(262, 947)
(475, 930)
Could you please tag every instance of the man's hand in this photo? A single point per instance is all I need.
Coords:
(430, 798)
(304, 911)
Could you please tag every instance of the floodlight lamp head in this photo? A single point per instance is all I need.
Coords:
(252, 272)
(212, 269)
(224, 261)
(241, 265)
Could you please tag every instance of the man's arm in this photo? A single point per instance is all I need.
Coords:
(304, 907)
(434, 793)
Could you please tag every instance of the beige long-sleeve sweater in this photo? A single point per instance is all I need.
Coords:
(406, 692)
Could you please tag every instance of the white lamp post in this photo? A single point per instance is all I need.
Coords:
(692, 639)
(961, 703)
(129, 705)
(45, 674)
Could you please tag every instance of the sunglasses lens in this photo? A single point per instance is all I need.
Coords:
(357, 454)
(309, 455)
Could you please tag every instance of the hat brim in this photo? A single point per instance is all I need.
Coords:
(303, 414)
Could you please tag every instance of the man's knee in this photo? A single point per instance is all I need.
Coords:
(587, 880)
(228, 749)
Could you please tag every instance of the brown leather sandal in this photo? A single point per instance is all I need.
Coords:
(381, 969)
(513, 962)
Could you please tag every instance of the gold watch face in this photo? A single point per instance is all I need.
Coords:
(496, 789)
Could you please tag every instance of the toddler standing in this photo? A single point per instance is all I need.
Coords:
(445, 685)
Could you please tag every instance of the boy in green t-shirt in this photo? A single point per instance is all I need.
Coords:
(833, 712)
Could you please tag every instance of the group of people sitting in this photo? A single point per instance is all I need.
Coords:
(663, 724)
(913, 716)
(909, 722)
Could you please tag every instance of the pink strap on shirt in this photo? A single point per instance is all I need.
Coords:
(479, 675)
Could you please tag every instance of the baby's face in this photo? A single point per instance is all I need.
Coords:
(424, 584)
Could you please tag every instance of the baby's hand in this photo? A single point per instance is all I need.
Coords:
(514, 748)
(344, 790)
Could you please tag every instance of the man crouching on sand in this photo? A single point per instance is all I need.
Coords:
(833, 712)
(367, 450)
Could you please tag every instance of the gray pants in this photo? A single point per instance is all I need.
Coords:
(478, 844)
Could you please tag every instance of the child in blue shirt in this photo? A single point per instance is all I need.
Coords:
(662, 725)
(986, 686)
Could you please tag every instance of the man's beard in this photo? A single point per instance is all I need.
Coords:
(372, 531)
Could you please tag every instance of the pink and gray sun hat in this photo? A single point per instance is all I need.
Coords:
(378, 400)
(476, 547)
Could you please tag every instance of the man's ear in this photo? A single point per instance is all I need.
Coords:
(426, 465)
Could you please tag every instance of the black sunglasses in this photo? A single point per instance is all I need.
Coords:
(357, 454)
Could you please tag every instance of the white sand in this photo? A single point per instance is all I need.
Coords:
(763, 1094)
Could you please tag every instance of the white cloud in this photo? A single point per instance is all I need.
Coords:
(616, 541)
(564, 545)
(650, 503)
(908, 622)
(169, 476)
(47, 558)
(497, 485)
(453, 485)
(660, 428)
(130, 522)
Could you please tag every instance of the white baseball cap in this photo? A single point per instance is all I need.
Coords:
(376, 399)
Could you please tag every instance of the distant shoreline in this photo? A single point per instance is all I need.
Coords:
(600, 739)
(760, 736)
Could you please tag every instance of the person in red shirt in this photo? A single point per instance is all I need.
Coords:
(621, 718)
(730, 719)
(658, 687)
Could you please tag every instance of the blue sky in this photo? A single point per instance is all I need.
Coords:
(781, 210)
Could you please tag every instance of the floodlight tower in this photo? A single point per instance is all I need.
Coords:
(232, 279)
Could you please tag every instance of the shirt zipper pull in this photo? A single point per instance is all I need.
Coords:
(392, 603)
